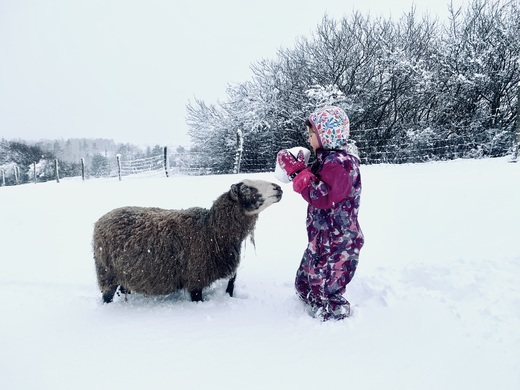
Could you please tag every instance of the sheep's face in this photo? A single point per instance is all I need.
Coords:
(255, 195)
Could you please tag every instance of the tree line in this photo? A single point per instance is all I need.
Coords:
(415, 89)
(21, 160)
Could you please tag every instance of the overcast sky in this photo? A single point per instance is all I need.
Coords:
(125, 70)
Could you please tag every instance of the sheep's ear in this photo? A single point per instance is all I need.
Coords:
(233, 192)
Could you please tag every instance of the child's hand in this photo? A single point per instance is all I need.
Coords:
(290, 164)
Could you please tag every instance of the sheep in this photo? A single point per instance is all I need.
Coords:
(155, 251)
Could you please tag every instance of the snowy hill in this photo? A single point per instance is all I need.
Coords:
(436, 298)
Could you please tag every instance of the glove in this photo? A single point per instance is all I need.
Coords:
(290, 164)
(303, 180)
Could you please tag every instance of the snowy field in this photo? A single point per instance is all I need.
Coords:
(436, 298)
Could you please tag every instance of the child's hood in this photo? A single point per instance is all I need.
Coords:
(332, 127)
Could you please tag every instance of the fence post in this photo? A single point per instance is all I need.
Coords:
(3, 178)
(516, 146)
(82, 169)
(118, 157)
(57, 170)
(17, 175)
(34, 172)
(166, 162)
(238, 155)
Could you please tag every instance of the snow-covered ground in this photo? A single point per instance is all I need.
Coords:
(436, 298)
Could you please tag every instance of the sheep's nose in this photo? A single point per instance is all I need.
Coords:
(278, 189)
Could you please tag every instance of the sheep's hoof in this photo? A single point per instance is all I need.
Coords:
(196, 295)
(108, 295)
(231, 286)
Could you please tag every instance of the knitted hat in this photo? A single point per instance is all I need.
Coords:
(332, 127)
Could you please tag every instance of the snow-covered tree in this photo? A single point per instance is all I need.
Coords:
(414, 89)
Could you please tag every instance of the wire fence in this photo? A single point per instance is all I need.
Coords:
(166, 164)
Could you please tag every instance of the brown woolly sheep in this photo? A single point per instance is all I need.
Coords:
(154, 251)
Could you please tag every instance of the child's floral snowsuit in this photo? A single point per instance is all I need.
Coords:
(334, 235)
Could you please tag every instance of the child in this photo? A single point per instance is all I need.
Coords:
(332, 187)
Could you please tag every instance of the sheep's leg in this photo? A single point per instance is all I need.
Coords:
(196, 295)
(231, 285)
(125, 291)
(108, 295)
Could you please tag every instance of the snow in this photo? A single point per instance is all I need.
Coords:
(436, 298)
